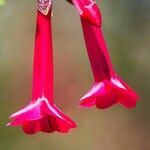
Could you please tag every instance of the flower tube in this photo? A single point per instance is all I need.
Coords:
(108, 88)
(88, 11)
(41, 114)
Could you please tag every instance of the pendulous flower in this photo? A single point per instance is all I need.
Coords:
(41, 114)
(108, 88)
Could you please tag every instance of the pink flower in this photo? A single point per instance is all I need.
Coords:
(108, 88)
(42, 114)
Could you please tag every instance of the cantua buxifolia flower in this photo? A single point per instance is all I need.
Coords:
(41, 114)
(108, 88)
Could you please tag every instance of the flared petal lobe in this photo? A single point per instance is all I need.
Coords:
(89, 11)
(42, 116)
(109, 92)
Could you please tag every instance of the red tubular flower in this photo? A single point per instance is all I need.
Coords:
(42, 114)
(108, 88)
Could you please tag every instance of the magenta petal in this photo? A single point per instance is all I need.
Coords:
(102, 95)
(29, 127)
(89, 11)
(107, 96)
(49, 118)
(89, 99)
(127, 97)
(108, 93)
(43, 124)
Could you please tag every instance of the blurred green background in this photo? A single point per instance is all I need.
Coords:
(126, 25)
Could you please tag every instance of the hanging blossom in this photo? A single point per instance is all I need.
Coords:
(108, 88)
(41, 114)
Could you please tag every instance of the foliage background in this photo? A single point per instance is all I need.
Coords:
(127, 30)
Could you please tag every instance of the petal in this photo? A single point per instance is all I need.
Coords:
(107, 96)
(109, 92)
(43, 124)
(48, 119)
(127, 97)
(30, 112)
(29, 127)
(89, 99)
